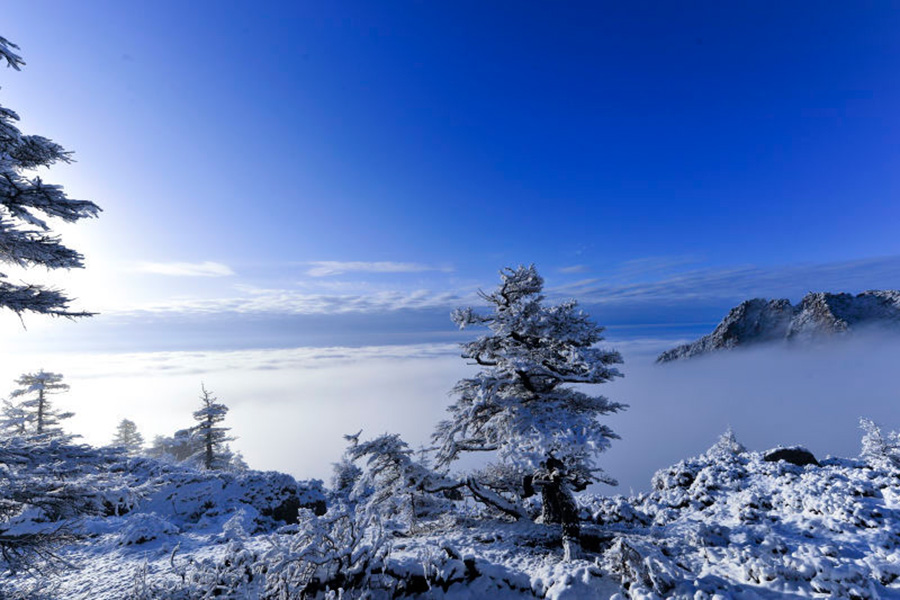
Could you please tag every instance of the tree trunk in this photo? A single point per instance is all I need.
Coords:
(40, 415)
(559, 507)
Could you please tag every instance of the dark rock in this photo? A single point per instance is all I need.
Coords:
(796, 456)
(288, 511)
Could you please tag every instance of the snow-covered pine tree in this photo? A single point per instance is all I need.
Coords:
(519, 405)
(128, 437)
(41, 418)
(212, 436)
(13, 419)
(25, 238)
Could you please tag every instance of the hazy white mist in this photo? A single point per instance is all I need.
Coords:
(291, 407)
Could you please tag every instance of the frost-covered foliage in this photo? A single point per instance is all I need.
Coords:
(395, 486)
(13, 419)
(344, 477)
(56, 494)
(338, 555)
(25, 202)
(879, 449)
(212, 436)
(519, 405)
(186, 446)
(128, 437)
(342, 550)
(45, 485)
(182, 446)
(726, 447)
(34, 415)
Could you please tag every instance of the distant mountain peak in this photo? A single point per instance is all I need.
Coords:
(819, 315)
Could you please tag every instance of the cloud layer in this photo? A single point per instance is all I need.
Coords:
(325, 268)
(290, 407)
(739, 283)
(665, 287)
(186, 269)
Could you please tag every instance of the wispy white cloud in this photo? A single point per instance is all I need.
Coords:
(185, 269)
(743, 282)
(292, 302)
(666, 290)
(573, 269)
(325, 268)
(653, 267)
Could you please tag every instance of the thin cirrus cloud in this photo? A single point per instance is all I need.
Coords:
(186, 269)
(671, 288)
(291, 302)
(574, 269)
(791, 281)
(325, 268)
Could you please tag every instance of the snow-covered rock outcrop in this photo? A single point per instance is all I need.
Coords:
(817, 316)
(731, 524)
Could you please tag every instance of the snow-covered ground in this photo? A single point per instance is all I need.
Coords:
(727, 524)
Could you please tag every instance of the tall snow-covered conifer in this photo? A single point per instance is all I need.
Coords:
(519, 405)
(41, 418)
(212, 436)
(25, 202)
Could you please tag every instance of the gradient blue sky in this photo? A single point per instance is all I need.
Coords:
(285, 174)
(616, 142)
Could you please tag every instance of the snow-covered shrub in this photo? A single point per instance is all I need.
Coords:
(343, 550)
(345, 475)
(181, 447)
(394, 486)
(881, 451)
(726, 447)
(608, 510)
(643, 570)
(46, 483)
(187, 447)
(144, 527)
(237, 574)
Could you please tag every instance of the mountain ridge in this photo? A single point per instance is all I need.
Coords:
(818, 315)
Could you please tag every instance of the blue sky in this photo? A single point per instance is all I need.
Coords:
(284, 174)
(236, 148)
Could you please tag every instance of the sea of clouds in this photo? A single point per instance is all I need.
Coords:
(291, 407)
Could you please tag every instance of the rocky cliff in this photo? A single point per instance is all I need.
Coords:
(818, 316)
